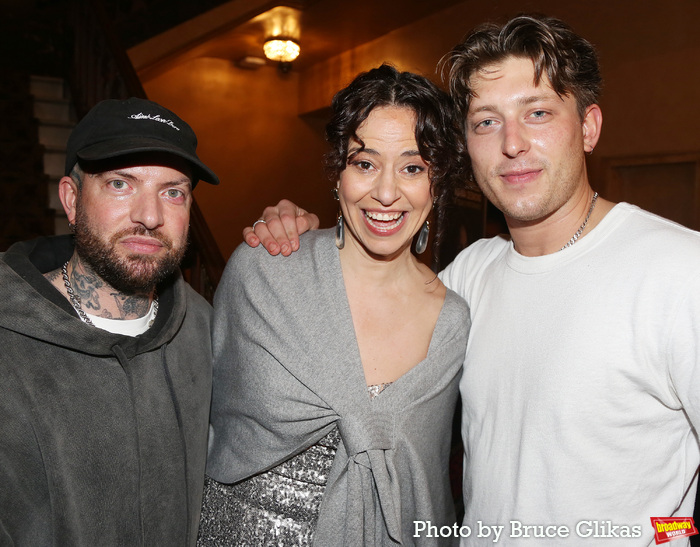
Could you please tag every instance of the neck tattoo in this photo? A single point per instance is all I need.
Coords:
(75, 300)
(583, 226)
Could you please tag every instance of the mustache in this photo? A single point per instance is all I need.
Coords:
(142, 231)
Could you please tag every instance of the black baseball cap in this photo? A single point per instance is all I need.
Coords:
(116, 128)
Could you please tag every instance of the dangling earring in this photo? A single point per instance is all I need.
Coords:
(340, 226)
(340, 232)
(422, 241)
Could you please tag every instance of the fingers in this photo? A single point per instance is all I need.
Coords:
(279, 227)
(259, 233)
(296, 221)
(249, 236)
(272, 236)
(279, 232)
(273, 230)
(306, 221)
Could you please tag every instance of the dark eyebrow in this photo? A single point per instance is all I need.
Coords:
(523, 101)
(373, 152)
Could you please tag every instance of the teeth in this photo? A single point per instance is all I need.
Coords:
(385, 217)
(380, 220)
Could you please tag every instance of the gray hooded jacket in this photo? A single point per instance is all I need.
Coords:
(102, 436)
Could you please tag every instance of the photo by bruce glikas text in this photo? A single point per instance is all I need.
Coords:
(515, 529)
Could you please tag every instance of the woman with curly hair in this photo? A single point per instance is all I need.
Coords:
(336, 370)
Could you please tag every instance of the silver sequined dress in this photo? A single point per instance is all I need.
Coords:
(277, 508)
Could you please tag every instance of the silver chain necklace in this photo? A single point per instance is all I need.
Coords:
(75, 300)
(583, 226)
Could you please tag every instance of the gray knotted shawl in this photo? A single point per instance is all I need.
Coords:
(287, 370)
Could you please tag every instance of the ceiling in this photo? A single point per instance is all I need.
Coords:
(327, 28)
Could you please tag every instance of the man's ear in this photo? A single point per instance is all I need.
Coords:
(68, 194)
(592, 124)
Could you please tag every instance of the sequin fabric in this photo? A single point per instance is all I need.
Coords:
(277, 508)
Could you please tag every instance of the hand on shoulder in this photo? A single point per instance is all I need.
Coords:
(279, 228)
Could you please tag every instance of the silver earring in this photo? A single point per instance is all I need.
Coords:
(422, 241)
(340, 226)
(340, 232)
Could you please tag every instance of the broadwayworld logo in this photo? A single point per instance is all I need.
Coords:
(667, 529)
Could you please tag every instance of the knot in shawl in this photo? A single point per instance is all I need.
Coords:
(365, 431)
(368, 439)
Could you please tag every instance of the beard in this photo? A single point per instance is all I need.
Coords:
(133, 273)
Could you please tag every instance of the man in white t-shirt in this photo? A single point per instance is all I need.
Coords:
(580, 396)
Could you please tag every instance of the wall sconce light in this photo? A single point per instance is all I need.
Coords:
(282, 30)
(281, 49)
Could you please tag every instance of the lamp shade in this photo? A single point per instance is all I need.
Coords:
(280, 49)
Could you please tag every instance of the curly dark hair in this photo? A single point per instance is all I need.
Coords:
(438, 133)
(569, 61)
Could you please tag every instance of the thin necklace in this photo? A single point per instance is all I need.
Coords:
(583, 226)
(75, 300)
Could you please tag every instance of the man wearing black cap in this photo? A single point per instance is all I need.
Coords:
(105, 364)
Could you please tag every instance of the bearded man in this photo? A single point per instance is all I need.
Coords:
(105, 361)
